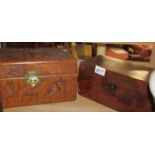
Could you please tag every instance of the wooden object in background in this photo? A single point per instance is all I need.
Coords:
(101, 50)
(36, 76)
(152, 59)
(121, 44)
(74, 51)
(123, 87)
(80, 50)
(87, 50)
(140, 52)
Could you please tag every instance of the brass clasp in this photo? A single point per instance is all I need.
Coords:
(32, 78)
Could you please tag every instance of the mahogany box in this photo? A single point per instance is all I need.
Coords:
(119, 84)
(36, 76)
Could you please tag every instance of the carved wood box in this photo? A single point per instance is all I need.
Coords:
(119, 84)
(37, 76)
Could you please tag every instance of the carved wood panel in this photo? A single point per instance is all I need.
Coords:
(18, 92)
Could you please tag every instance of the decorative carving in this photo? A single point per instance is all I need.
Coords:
(10, 88)
(54, 87)
(51, 63)
(24, 54)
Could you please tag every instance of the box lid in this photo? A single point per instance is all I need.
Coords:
(16, 62)
(125, 67)
(32, 55)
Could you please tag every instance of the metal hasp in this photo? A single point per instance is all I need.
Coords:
(32, 78)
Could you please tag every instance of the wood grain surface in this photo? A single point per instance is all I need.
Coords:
(119, 88)
(57, 74)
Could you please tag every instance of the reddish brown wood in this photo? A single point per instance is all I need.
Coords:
(57, 74)
(19, 44)
(33, 55)
(124, 86)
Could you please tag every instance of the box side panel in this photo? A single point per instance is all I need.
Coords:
(18, 92)
(114, 90)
